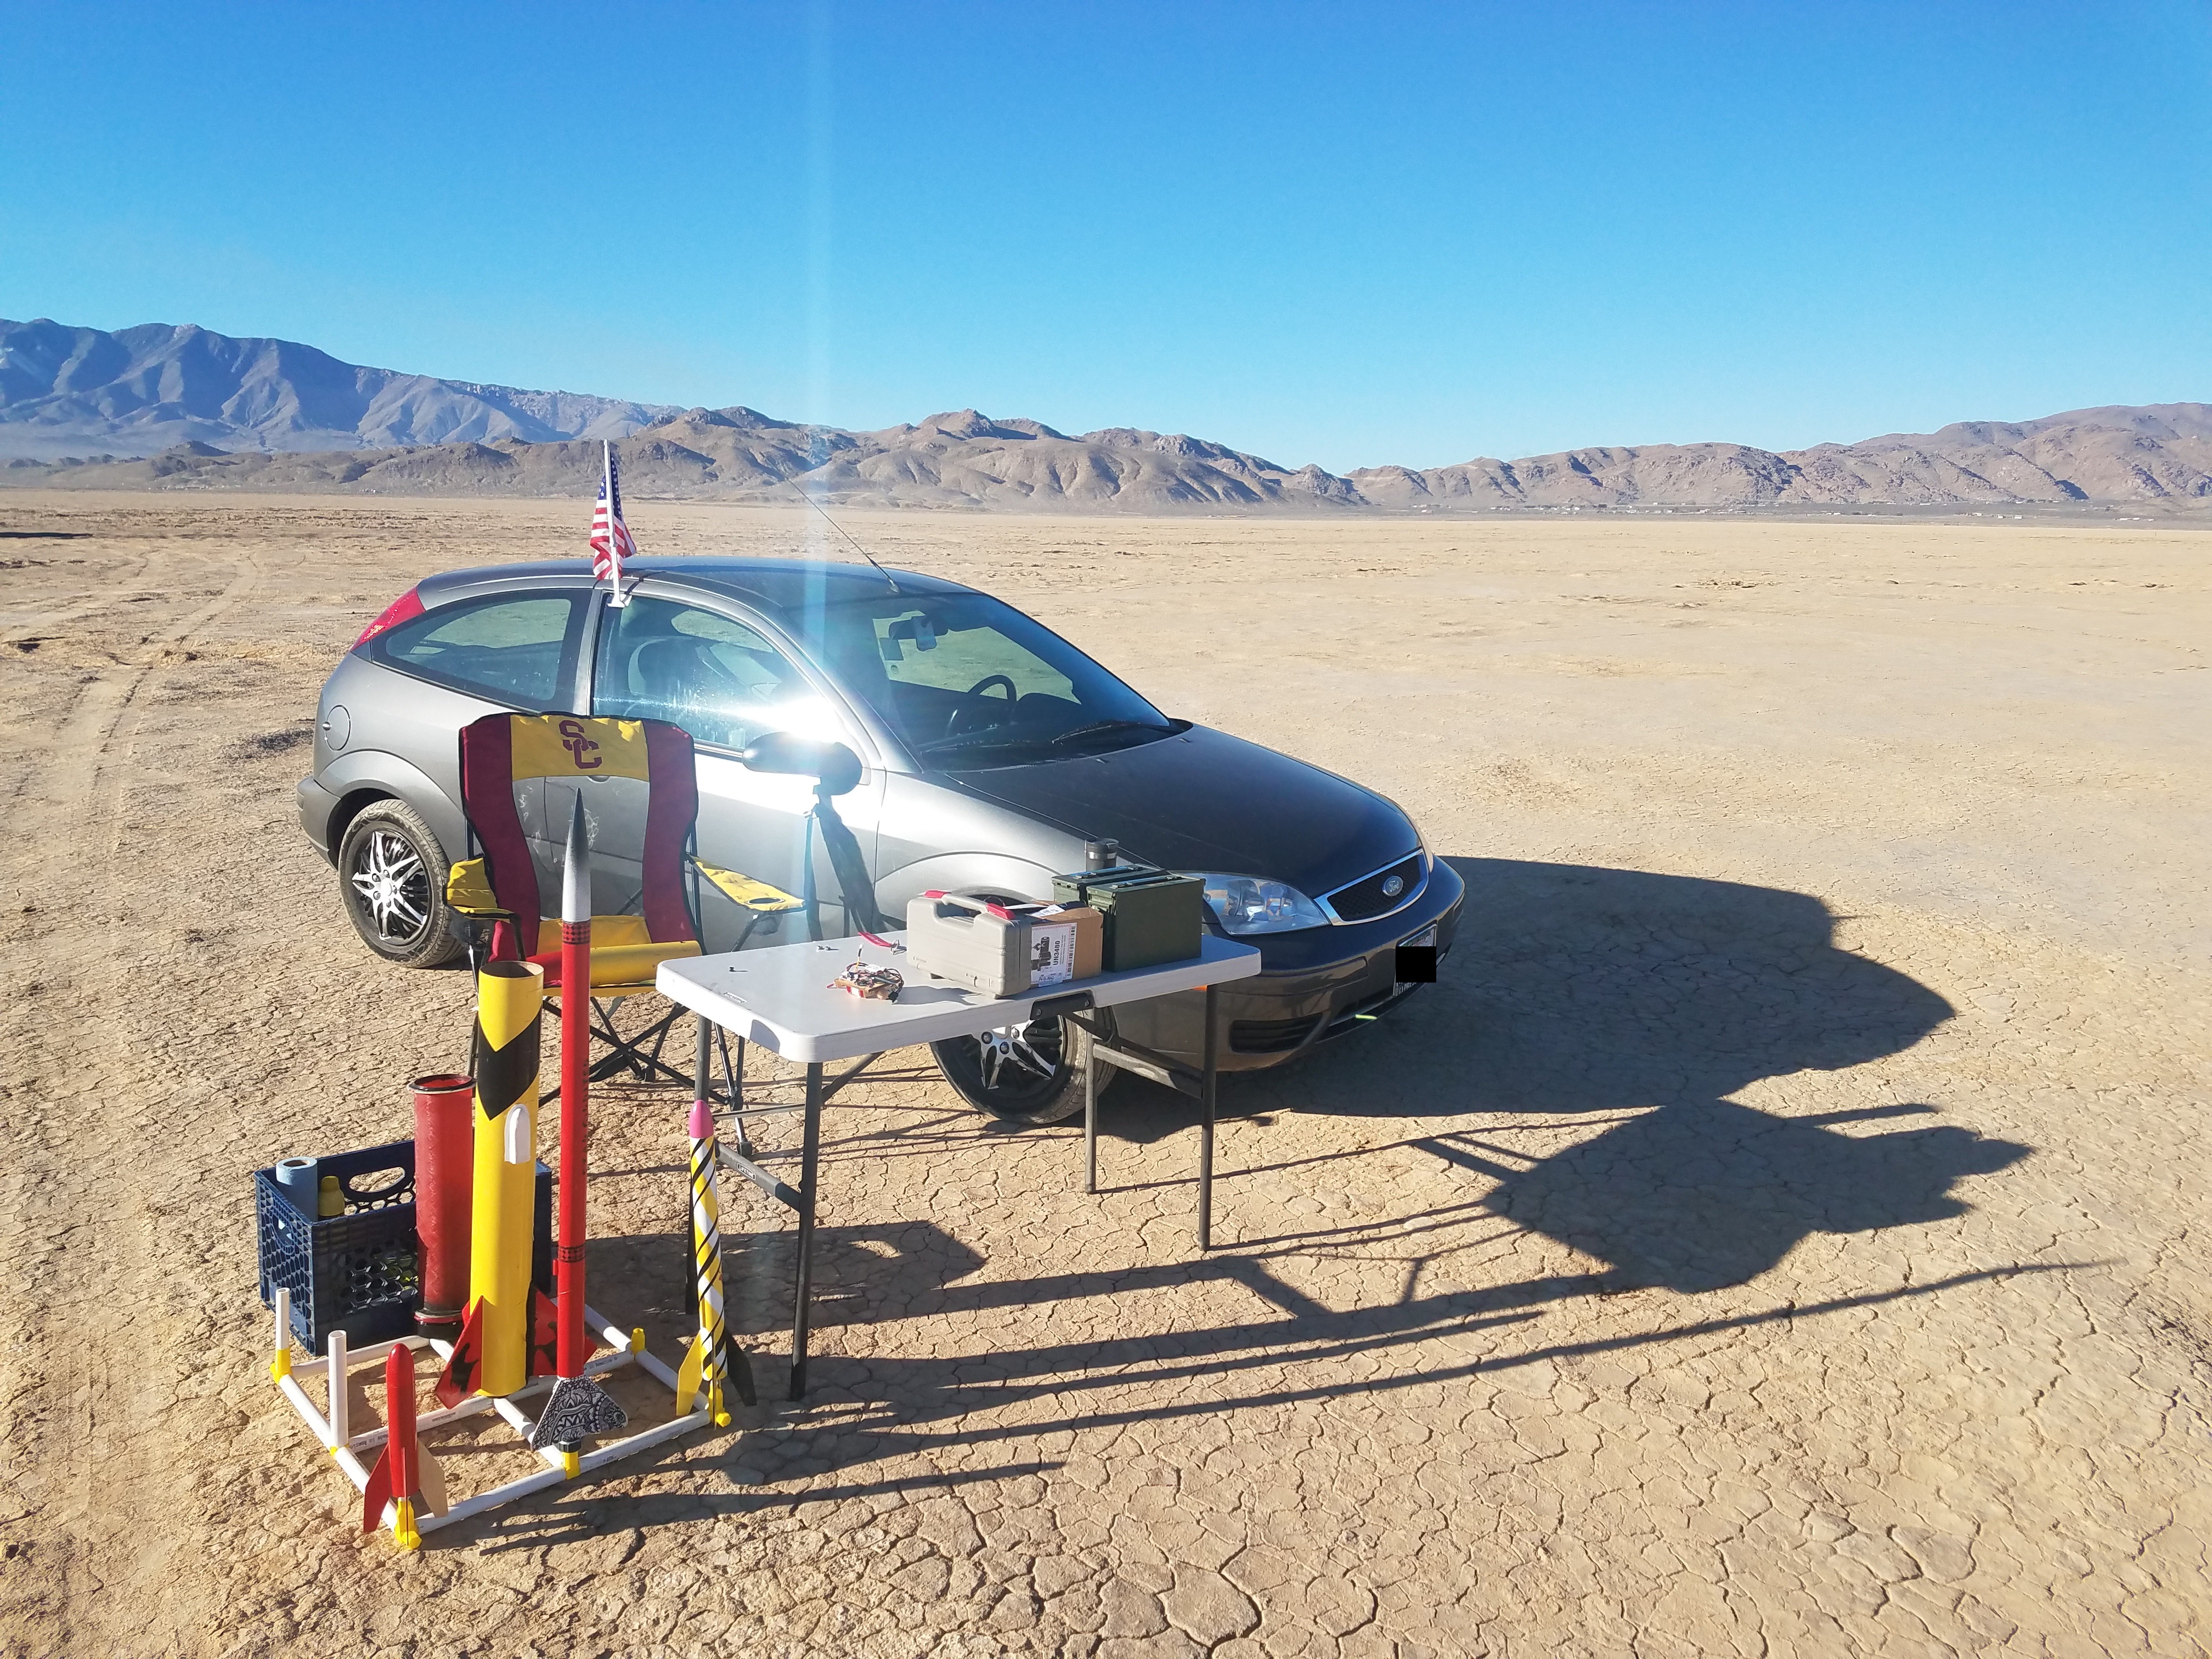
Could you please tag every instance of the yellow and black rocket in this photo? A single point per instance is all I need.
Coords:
(493, 1353)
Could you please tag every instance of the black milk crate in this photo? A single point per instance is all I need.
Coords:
(360, 1270)
(356, 1271)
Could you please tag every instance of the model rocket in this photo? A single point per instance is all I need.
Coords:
(579, 1408)
(406, 1478)
(715, 1362)
(501, 1345)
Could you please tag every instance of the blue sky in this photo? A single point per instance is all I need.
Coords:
(1347, 235)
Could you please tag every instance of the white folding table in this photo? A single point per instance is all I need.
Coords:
(781, 998)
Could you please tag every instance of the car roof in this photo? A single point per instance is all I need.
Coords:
(773, 584)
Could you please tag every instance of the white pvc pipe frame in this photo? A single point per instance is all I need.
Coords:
(331, 1426)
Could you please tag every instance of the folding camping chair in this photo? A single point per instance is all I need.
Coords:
(495, 891)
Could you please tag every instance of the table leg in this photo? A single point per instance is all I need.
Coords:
(735, 1081)
(1090, 1065)
(1206, 1136)
(810, 1156)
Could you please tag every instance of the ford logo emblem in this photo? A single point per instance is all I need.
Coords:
(1393, 885)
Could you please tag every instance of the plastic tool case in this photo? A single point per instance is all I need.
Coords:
(983, 946)
(1151, 916)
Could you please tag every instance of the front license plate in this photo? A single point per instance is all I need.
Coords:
(1417, 959)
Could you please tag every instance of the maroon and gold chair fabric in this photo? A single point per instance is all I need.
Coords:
(497, 889)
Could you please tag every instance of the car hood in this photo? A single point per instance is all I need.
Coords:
(1205, 801)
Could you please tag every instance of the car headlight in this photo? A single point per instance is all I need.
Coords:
(1246, 904)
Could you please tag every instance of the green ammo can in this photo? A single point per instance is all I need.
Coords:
(1151, 916)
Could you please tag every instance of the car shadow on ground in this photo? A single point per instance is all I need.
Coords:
(1625, 1002)
(1645, 1000)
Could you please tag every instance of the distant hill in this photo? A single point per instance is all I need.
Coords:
(162, 407)
(2162, 453)
(67, 391)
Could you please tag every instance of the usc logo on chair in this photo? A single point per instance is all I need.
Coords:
(573, 746)
(579, 745)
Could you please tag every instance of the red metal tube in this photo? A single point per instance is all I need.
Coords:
(571, 1350)
(445, 1169)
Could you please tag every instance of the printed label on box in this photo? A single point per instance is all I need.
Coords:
(1052, 952)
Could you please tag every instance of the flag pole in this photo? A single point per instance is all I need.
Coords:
(615, 596)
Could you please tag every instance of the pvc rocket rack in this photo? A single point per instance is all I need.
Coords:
(330, 1425)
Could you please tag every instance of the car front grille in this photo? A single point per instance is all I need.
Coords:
(1365, 899)
(1270, 1036)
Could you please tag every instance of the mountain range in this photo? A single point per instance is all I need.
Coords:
(161, 406)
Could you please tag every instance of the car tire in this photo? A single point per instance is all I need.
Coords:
(1011, 1088)
(391, 877)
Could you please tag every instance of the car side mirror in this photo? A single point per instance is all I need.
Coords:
(834, 766)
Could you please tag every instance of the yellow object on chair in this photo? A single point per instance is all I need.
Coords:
(468, 889)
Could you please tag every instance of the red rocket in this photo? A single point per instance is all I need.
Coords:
(405, 1476)
(578, 1407)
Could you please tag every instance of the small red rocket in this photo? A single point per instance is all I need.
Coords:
(405, 1476)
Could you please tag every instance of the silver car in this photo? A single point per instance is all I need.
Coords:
(993, 753)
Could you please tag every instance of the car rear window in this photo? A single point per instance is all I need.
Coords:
(514, 648)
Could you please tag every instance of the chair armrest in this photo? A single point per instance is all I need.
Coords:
(468, 893)
(743, 890)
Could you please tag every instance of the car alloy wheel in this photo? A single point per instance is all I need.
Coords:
(1027, 1073)
(394, 885)
(392, 875)
(1009, 1062)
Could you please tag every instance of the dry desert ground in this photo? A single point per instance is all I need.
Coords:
(1783, 1231)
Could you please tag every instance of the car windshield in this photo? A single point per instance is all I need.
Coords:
(965, 680)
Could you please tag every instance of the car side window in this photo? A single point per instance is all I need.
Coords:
(514, 649)
(695, 668)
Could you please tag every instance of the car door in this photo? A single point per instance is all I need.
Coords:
(485, 654)
(707, 665)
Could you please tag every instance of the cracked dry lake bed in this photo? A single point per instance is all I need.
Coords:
(1781, 1232)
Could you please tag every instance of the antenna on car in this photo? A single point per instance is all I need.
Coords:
(857, 548)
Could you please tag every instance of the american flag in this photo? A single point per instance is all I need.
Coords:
(610, 536)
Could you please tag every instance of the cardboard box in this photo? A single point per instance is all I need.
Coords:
(1066, 942)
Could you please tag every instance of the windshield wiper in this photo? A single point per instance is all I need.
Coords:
(1097, 726)
(978, 740)
(1006, 740)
